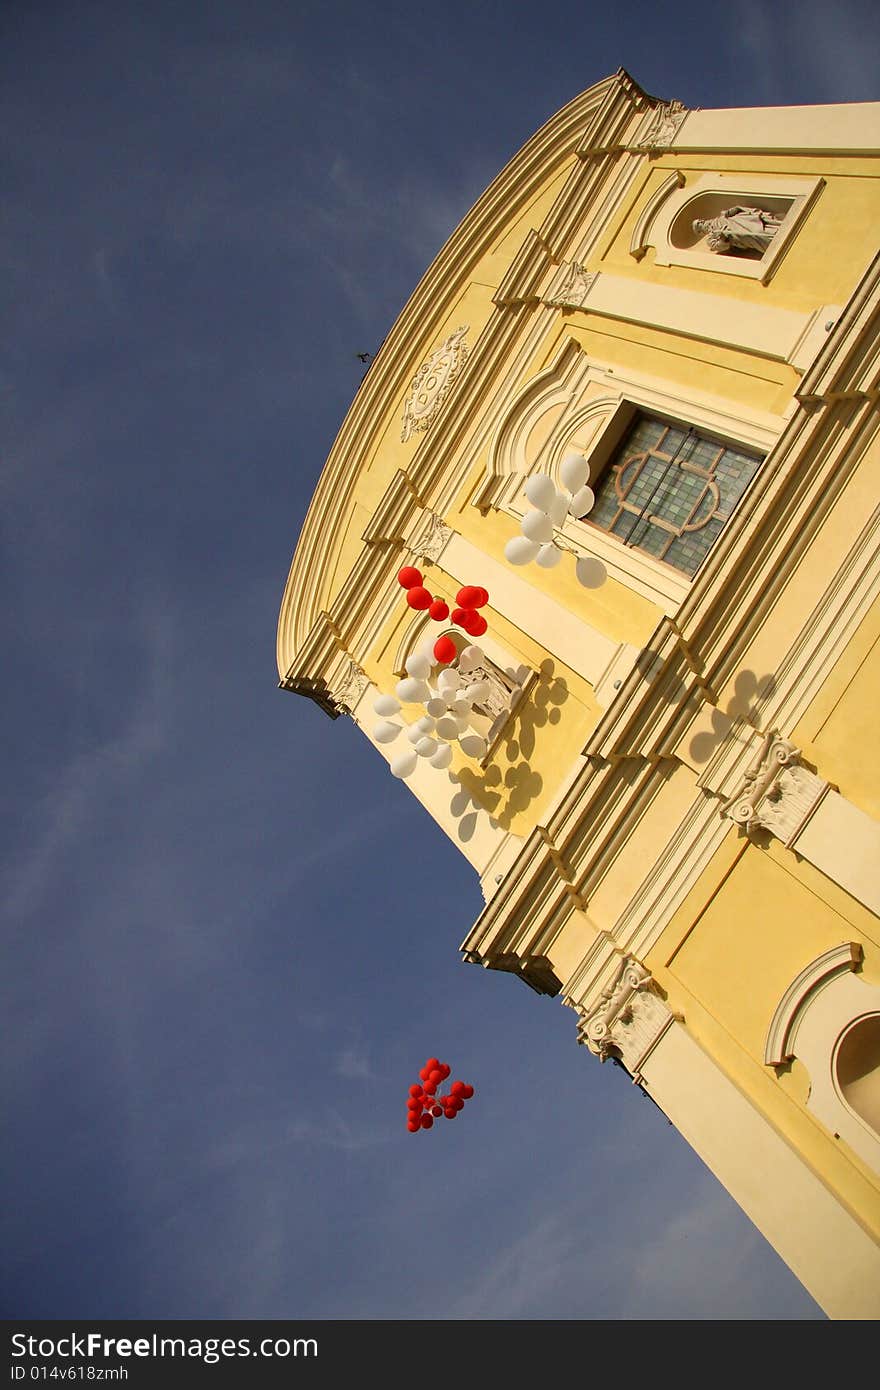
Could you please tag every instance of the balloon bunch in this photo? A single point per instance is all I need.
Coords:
(424, 1104)
(465, 615)
(550, 507)
(449, 703)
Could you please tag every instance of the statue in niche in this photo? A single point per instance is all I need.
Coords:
(739, 229)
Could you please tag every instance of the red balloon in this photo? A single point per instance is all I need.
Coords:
(437, 1111)
(426, 1121)
(474, 623)
(468, 1092)
(415, 1090)
(417, 597)
(483, 599)
(431, 1063)
(423, 1075)
(439, 611)
(430, 1088)
(450, 1114)
(444, 1070)
(445, 650)
(435, 1075)
(413, 1126)
(468, 596)
(459, 616)
(408, 577)
(456, 1088)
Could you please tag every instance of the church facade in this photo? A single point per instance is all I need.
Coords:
(623, 440)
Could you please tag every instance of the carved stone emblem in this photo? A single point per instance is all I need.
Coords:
(776, 793)
(432, 539)
(432, 383)
(628, 1020)
(666, 120)
(572, 289)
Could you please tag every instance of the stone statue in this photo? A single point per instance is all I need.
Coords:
(739, 229)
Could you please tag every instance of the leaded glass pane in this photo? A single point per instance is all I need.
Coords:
(669, 491)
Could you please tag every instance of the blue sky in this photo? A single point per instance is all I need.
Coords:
(225, 959)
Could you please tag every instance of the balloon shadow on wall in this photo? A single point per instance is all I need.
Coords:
(748, 689)
(506, 791)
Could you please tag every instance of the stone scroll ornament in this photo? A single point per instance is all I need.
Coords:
(432, 383)
(550, 507)
(448, 699)
(426, 1102)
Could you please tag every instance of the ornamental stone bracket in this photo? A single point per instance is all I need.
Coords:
(628, 1020)
(351, 686)
(571, 287)
(662, 128)
(776, 793)
(432, 539)
(432, 383)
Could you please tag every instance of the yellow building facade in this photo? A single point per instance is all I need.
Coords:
(667, 775)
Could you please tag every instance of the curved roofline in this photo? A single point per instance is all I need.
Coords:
(425, 310)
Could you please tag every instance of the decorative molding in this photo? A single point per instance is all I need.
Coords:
(662, 128)
(776, 793)
(571, 288)
(628, 1020)
(432, 539)
(351, 687)
(779, 1047)
(432, 383)
(639, 241)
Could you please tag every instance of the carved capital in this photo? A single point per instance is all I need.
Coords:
(571, 287)
(432, 383)
(776, 793)
(628, 1020)
(351, 686)
(662, 127)
(432, 539)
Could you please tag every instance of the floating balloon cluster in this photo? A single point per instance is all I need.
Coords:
(465, 615)
(550, 507)
(425, 1104)
(449, 703)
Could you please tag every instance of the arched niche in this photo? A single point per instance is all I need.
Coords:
(829, 1019)
(666, 221)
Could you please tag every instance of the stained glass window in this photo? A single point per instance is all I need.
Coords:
(669, 491)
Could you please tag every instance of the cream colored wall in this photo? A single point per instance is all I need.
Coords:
(750, 925)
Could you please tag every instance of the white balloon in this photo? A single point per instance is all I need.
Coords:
(419, 666)
(471, 656)
(549, 556)
(461, 707)
(559, 510)
(443, 756)
(414, 733)
(412, 691)
(463, 722)
(520, 551)
(385, 732)
(447, 727)
(583, 501)
(386, 704)
(473, 745)
(574, 470)
(449, 680)
(477, 692)
(427, 747)
(426, 724)
(541, 491)
(405, 764)
(436, 707)
(537, 526)
(591, 572)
